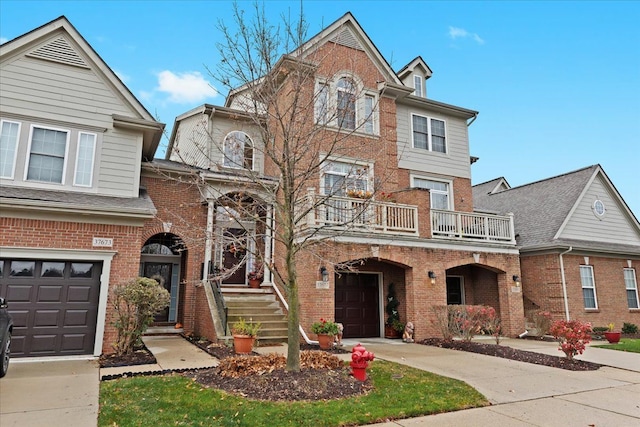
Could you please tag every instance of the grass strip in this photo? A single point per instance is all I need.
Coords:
(625, 344)
(399, 392)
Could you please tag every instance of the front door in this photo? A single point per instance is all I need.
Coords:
(166, 271)
(357, 305)
(160, 272)
(234, 256)
(455, 290)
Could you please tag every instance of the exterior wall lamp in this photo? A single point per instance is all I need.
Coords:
(516, 279)
(324, 274)
(432, 276)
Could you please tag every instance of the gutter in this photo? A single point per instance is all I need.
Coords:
(564, 283)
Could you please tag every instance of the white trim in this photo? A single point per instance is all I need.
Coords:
(429, 134)
(28, 156)
(70, 255)
(635, 284)
(253, 152)
(449, 183)
(582, 287)
(93, 159)
(15, 152)
(348, 161)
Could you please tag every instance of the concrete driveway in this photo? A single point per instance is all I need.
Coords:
(52, 393)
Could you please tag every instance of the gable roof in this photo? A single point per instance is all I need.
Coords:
(417, 62)
(541, 209)
(71, 48)
(347, 31)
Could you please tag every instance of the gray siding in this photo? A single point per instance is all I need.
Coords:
(454, 163)
(72, 98)
(191, 141)
(614, 227)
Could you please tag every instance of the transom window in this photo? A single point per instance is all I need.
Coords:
(631, 285)
(9, 133)
(47, 155)
(428, 133)
(439, 191)
(238, 151)
(340, 177)
(588, 287)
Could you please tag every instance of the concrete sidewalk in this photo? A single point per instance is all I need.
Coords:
(524, 394)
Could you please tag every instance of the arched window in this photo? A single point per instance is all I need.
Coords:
(346, 103)
(238, 150)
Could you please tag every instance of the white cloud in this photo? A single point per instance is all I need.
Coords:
(455, 33)
(3, 40)
(184, 88)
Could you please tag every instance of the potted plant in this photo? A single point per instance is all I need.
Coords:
(611, 336)
(255, 276)
(393, 327)
(244, 335)
(326, 331)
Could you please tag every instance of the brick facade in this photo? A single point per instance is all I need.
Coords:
(542, 287)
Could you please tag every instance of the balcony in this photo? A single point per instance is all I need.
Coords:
(472, 226)
(362, 215)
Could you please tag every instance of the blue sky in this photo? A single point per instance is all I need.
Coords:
(557, 84)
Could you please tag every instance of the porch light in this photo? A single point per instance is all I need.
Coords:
(324, 273)
(432, 276)
(516, 279)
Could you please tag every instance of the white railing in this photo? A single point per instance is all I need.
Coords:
(472, 226)
(362, 214)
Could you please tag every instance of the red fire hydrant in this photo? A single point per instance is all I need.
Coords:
(360, 359)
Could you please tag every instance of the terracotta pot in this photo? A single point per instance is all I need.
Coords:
(390, 332)
(612, 337)
(243, 344)
(255, 283)
(326, 341)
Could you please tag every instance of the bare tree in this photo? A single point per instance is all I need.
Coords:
(272, 74)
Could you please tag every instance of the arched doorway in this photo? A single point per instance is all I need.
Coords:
(161, 259)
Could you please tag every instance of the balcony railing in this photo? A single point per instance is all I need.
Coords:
(362, 215)
(472, 226)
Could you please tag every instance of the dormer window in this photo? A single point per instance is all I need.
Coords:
(238, 151)
(417, 84)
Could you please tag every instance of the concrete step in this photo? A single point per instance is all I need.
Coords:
(253, 312)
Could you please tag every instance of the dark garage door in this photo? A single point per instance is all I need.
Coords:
(54, 305)
(356, 305)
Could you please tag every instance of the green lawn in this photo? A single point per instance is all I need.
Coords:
(625, 344)
(399, 392)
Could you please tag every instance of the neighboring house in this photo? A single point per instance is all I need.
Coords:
(425, 238)
(72, 209)
(579, 245)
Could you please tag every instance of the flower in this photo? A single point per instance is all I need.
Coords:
(359, 194)
(324, 327)
(257, 273)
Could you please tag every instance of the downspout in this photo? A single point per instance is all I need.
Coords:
(564, 283)
(475, 116)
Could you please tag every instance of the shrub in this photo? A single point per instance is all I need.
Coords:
(598, 331)
(573, 336)
(466, 321)
(629, 328)
(135, 303)
(542, 321)
(242, 327)
(442, 321)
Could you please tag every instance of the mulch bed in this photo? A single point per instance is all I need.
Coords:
(513, 354)
(140, 356)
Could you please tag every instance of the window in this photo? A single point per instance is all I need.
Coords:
(631, 285)
(322, 103)
(369, 118)
(84, 159)
(9, 132)
(429, 134)
(47, 153)
(238, 150)
(339, 177)
(588, 287)
(439, 192)
(417, 84)
(346, 103)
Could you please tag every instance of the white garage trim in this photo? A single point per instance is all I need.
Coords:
(72, 255)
